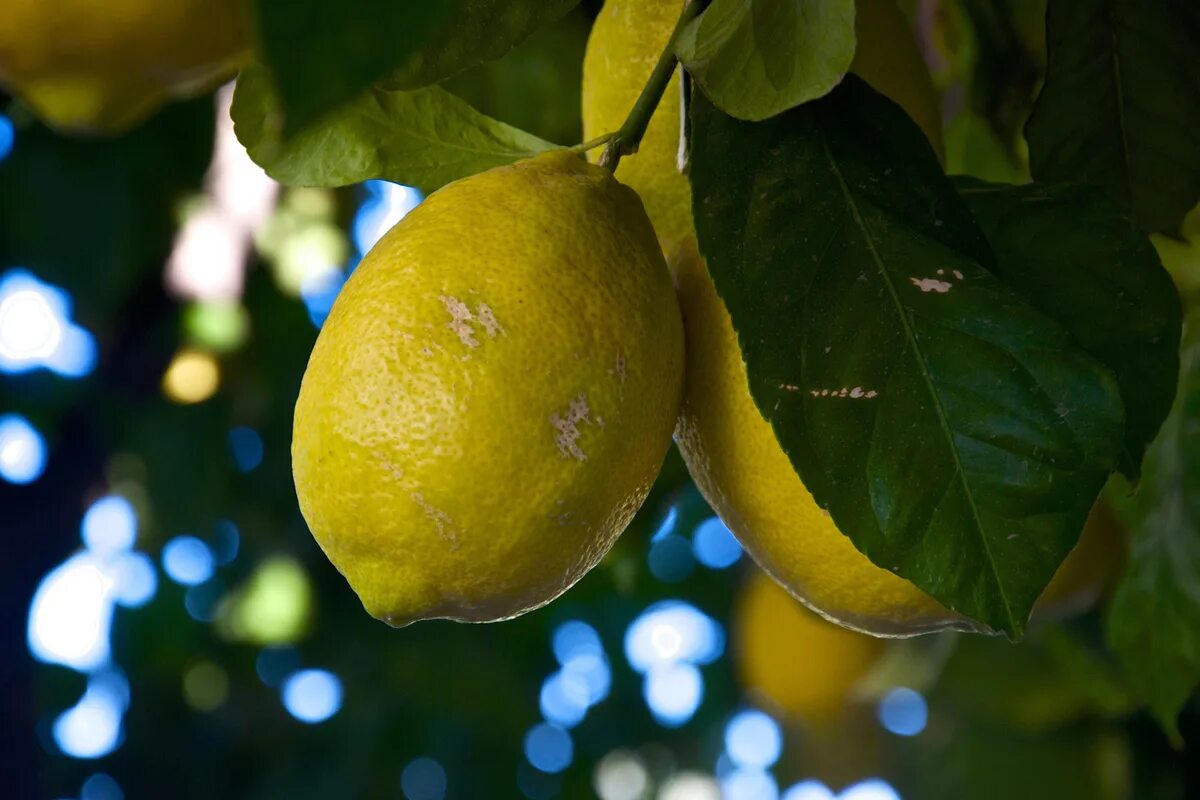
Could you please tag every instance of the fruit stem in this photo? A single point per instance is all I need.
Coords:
(627, 138)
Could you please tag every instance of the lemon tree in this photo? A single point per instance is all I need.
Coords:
(904, 392)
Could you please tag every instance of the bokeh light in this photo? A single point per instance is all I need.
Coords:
(423, 779)
(564, 699)
(22, 450)
(318, 291)
(226, 542)
(753, 739)
(92, 727)
(8, 135)
(549, 747)
(672, 631)
(274, 664)
(218, 325)
(746, 783)
(71, 615)
(36, 330)
(385, 204)
(246, 447)
(312, 695)
(673, 693)
(714, 545)
(690, 785)
(192, 377)
(620, 775)
(187, 560)
(109, 525)
(271, 608)
(205, 686)
(670, 558)
(201, 601)
(575, 638)
(902, 711)
(101, 786)
(808, 790)
(135, 580)
(873, 789)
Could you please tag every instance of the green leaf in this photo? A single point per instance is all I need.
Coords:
(1154, 622)
(323, 54)
(1121, 104)
(955, 434)
(426, 138)
(756, 58)
(1079, 259)
(1052, 679)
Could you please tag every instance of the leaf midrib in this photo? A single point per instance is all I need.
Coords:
(910, 336)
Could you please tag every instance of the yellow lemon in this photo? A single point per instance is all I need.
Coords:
(492, 395)
(1090, 569)
(730, 449)
(624, 45)
(805, 666)
(100, 66)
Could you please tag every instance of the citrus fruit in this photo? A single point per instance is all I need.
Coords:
(492, 394)
(729, 447)
(624, 45)
(801, 664)
(100, 67)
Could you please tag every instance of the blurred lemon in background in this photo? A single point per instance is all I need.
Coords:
(101, 66)
(802, 664)
(492, 394)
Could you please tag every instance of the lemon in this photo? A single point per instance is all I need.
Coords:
(729, 447)
(492, 394)
(100, 66)
(801, 664)
(1089, 570)
(624, 45)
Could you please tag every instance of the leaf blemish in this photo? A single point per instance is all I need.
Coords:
(930, 285)
(853, 393)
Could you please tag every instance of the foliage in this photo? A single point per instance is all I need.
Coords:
(954, 368)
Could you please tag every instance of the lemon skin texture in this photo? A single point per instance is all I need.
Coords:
(101, 66)
(805, 666)
(626, 40)
(492, 395)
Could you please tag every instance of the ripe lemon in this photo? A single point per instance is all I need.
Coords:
(730, 449)
(805, 666)
(492, 395)
(100, 66)
(624, 45)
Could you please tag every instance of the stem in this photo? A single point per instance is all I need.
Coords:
(627, 138)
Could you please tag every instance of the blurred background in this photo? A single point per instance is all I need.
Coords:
(170, 628)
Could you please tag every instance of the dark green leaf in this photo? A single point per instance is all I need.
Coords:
(323, 54)
(1078, 258)
(971, 759)
(956, 435)
(1121, 104)
(1154, 623)
(426, 138)
(756, 58)
(1051, 680)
